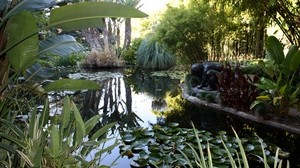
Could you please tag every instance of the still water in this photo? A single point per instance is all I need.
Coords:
(138, 98)
(133, 98)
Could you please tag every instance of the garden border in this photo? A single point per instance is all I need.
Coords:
(241, 114)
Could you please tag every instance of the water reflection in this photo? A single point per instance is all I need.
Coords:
(121, 97)
(113, 101)
(183, 112)
(137, 98)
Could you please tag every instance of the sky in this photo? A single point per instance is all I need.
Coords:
(149, 7)
(153, 6)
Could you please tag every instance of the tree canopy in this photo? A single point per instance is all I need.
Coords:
(197, 30)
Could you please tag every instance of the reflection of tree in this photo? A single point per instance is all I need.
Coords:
(110, 102)
(183, 112)
(155, 86)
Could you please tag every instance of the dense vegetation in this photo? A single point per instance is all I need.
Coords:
(224, 30)
(36, 36)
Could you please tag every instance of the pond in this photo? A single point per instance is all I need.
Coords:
(137, 98)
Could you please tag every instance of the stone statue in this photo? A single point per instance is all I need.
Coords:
(207, 74)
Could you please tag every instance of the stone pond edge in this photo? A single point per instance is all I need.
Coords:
(219, 108)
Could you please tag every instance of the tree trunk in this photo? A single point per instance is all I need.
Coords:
(92, 37)
(127, 38)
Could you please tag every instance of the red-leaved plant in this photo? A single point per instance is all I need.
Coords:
(236, 89)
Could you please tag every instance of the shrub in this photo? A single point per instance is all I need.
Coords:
(236, 89)
(104, 59)
(129, 55)
(70, 60)
(152, 55)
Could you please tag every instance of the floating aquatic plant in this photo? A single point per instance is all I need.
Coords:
(173, 146)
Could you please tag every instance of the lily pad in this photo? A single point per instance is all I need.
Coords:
(173, 124)
(128, 138)
(249, 148)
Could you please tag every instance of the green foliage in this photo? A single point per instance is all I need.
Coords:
(44, 141)
(278, 88)
(252, 69)
(184, 32)
(152, 55)
(54, 141)
(22, 46)
(129, 55)
(70, 17)
(71, 60)
(184, 147)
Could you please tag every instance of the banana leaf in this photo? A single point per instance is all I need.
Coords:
(38, 72)
(71, 85)
(89, 14)
(288, 59)
(295, 62)
(62, 45)
(20, 29)
(29, 5)
(275, 50)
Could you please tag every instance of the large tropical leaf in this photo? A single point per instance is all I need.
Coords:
(80, 127)
(55, 142)
(295, 62)
(29, 5)
(60, 45)
(71, 84)
(289, 56)
(38, 72)
(89, 14)
(23, 40)
(275, 50)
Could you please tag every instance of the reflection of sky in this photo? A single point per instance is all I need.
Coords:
(141, 105)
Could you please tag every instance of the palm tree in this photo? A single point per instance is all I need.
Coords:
(127, 38)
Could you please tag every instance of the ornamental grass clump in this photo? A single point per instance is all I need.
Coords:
(152, 55)
(104, 59)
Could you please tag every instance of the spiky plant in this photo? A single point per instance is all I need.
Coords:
(152, 55)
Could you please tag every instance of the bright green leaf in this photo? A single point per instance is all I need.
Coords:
(55, 142)
(89, 125)
(23, 43)
(282, 90)
(45, 114)
(32, 123)
(66, 111)
(72, 17)
(263, 98)
(71, 84)
(80, 127)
